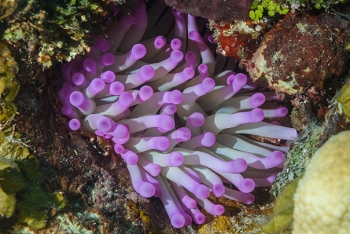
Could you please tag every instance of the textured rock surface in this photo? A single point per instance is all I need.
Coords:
(322, 200)
(217, 10)
(301, 52)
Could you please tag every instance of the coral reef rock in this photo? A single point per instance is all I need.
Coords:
(218, 10)
(300, 52)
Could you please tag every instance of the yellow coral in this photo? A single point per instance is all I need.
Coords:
(344, 99)
(35, 221)
(283, 210)
(322, 200)
(7, 201)
(7, 7)
(7, 204)
(8, 86)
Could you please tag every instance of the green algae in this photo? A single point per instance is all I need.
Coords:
(11, 180)
(267, 7)
(344, 100)
(23, 178)
(283, 211)
(33, 203)
(261, 8)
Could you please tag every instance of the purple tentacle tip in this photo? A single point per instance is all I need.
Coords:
(116, 88)
(278, 112)
(246, 185)
(202, 191)
(166, 123)
(257, 100)
(161, 143)
(79, 79)
(105, 125)
(203, 70)
(108, 76)
(95, 87)
(198, 217)
(74, 124)
(118, 148)
(217, 210)
(159, 42)
(239, 80)
(146, 189)
(176, 56)
(255, 115)
(175, 44)
(207, 85)
(146, 92)
(107, 59)
(89, 65)
(218, 190)
(239, 165)
(208, 139)
(84, 104)
(177, 220)
(196, 119)
(176, 159)
(146, 73)
(130, 157)
(138, 51)
(121, 131)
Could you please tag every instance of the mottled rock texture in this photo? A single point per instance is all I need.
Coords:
(217, 10)
(300, 52)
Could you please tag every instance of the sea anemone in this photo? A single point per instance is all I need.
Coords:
(176, 122)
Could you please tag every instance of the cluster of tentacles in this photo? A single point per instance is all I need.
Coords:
(176, 122)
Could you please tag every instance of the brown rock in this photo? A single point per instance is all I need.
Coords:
(217, 10)
(300, 52)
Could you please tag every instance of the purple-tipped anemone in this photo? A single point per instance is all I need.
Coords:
(107, 59)
(178, 126)
(79, 79)
(130, 157)
(257, 100)
(74, 124)
(95, 87)
(89, 65)
(176, 159)
(159, 42)
(85, 105)
(108, 76)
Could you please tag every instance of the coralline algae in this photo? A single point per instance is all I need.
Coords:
(177, 125)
